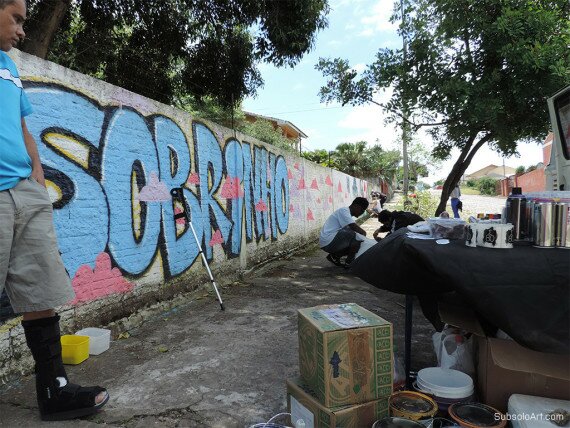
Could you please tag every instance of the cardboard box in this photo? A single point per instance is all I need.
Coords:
(303, 405)
(345, 354)
(505, 368)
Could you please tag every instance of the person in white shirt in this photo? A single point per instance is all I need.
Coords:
(340, 235)
(455, 201)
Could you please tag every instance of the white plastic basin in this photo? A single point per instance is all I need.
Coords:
(99, 339)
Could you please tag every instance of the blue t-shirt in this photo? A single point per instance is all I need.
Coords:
(15, 163)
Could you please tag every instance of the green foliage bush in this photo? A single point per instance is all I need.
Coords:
(471, 183)
(424, 204)
(487, 186)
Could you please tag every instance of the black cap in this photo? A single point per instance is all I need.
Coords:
(516, 191)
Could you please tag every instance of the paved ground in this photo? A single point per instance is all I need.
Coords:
(473, 204)
(197, 366)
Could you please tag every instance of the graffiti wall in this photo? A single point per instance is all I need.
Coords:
(111, 159)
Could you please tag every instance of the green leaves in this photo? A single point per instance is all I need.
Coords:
(203, 48)
(358, 160)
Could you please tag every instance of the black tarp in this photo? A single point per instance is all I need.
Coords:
(524, 291)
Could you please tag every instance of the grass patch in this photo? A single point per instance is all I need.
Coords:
(469, 191)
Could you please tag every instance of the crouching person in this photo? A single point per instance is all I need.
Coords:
(394, 220)
(340, 235)
(31, 268)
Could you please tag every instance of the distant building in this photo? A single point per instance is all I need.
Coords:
(547, 148)
(288, 130)
(492, 171)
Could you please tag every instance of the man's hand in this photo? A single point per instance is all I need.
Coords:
(375, 234)
(357, 228)
(32, 149)
(38, 175)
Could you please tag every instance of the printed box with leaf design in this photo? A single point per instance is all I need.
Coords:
(345, 354)
(304, 406)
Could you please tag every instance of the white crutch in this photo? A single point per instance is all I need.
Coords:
(178, 194)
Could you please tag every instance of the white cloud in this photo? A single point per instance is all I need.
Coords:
(368, 32)
(359, 68)
(379, 18)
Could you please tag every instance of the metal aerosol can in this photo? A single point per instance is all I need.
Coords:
(562, 230)
(544, 224)
(516, 214)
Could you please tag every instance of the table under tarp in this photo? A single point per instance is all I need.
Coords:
(524, 291)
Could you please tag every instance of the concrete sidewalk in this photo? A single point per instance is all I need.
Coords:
(197, 366)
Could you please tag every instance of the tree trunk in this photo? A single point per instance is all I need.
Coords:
(47, 19)
(459, 168)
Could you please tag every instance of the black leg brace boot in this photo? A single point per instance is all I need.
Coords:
(57, 398)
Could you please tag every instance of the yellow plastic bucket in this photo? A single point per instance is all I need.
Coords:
(74, 349)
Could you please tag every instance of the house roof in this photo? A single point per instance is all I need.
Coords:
(289, 127)
(493, 171)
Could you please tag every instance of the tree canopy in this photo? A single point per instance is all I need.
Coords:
(168, 49)
(359, 160)
(475, 72)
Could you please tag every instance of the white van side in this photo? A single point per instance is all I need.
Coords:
(558, 171)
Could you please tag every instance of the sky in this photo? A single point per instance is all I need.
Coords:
(357, 30)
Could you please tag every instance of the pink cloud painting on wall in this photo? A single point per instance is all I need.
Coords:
(216, 238)
(194, 179)
(91, 284)
(155, 191)
(261, 206)
(232, 189)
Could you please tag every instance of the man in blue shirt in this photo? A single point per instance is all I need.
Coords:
(31, 268)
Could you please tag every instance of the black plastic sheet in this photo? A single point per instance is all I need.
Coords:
(524, 291)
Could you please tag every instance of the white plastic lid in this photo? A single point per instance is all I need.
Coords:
(445, 383)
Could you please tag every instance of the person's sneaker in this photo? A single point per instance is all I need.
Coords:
(348, 262)
(334, 260)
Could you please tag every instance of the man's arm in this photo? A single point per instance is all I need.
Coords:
(357, 228)
(32, 148)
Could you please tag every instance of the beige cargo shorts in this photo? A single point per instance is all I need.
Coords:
(31, 268)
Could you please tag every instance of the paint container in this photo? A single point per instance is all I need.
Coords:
(516, 214)
(562, 228)
(395, 422)
(412, 405)
(476, 415)
(544, 224)
(445, 386)
(495, 235)
(471, 235)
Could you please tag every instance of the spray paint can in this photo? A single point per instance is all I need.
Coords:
(516, 214)
(562, 230)
(544, 224)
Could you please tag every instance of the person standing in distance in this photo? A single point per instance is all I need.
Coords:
(455, 195)
(31, 268)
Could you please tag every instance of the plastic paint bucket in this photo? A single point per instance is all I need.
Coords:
(445, 383)
(476, 415)
(443, 403)
(412, 405)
